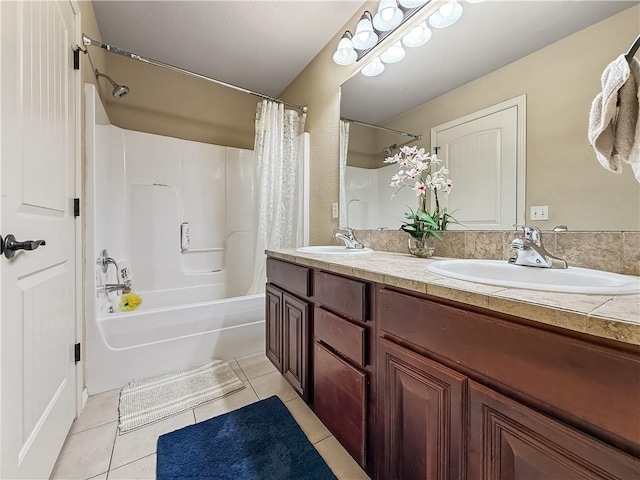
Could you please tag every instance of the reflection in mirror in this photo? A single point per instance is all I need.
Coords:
(553, 53)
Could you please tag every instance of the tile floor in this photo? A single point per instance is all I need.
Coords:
(94, 450)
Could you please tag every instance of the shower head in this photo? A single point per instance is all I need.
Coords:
(119, 91)
(389, 150)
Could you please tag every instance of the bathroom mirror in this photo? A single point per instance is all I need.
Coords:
(552, 53)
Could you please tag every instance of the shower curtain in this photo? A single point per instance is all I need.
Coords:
(276, 176)
(344, 148)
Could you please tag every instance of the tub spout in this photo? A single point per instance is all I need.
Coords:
(115, 287)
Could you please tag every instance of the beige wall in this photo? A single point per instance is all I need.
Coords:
(560, 82)
(168, 103)
(177, 105)
(363, 151)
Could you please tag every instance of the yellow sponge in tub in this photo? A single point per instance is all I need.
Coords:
(130, 301)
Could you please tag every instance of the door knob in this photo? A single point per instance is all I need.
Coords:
(9, 246)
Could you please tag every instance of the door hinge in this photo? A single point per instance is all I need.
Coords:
(77, 352)
(76, 59)
(435, 149)
(76, 207)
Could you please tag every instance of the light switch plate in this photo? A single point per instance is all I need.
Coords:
(334, 210)
(540, 213)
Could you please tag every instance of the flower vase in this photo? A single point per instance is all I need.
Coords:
(422, 247)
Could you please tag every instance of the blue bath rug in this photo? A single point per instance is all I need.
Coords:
(261, 441)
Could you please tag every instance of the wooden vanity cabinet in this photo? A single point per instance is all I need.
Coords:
(288, 321)
(471, 395)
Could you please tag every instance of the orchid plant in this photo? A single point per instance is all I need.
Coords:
(421, 172)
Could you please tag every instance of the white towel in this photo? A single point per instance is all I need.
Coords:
(615, 138)
(627, 144)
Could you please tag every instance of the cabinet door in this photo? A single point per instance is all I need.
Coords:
(421, 416)
(340, 400)
(295, 325)
(273, 321)
(510, 441)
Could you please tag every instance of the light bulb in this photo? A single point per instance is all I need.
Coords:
(387, 14)
(365, 38)
(447, 15)
(345, 54)
(388, 17)
(446, 9)
(374, 68)
(417, 36)
(393, 54)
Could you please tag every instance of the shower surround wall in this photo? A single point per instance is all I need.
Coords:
(147, 185)
(140, 188)
(369, 202)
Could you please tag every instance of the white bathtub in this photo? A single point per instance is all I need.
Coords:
(159, 339)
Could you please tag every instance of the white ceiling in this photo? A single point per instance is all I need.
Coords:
(259, 45)
(488, 36)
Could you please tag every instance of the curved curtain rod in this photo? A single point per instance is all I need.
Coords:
(406, 134)
(134, 56)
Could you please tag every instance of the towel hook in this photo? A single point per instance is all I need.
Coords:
(632, 50)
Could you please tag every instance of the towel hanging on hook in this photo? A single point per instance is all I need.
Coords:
(632, 50)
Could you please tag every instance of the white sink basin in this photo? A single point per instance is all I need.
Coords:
(570, 280)
(333, 250)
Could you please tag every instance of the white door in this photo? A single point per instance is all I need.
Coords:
(484, 155)
(37, 171)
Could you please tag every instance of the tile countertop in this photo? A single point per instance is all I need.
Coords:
(615, 317)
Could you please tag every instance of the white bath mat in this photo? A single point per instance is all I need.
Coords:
(153, 399)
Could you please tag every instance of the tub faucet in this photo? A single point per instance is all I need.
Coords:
(349, 238)
(530, 251)
(115, 287)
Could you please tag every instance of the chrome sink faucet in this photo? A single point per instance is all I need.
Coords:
(349, 238)
(530, 251)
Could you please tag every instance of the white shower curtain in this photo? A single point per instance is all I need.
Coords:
(344, 148)
(276, 181)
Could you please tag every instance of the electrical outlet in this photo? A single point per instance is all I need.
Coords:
(540, 213)
(334, 210)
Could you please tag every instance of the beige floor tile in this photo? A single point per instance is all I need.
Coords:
(311, 425)
(102, 476)
(100, 409)
(226, 404)
(340, 462)
(143, 469)
(142, 442)
(236, 368)
(86, 454)
(272, 384)
(255, 365)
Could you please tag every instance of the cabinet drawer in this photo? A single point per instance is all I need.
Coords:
(340, 399)
(294, 278)
(346, 337)
(342, 295)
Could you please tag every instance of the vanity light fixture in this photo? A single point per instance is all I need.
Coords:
(373, 68)
(389, 16)
(365, 36)
(448, 14)
(417, 36)
(393, 54)
(345, 54)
